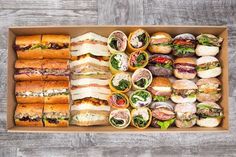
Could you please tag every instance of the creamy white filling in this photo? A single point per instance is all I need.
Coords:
(134, 39)
(122, 60)
(143, 112)
(120, 76)
(88, 117)
(54, 91)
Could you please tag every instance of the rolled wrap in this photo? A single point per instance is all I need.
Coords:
(120, 118)
(117, 41)
(140, 98)
(121, 78)
(118, 62)
(143, 46)
(134, 119)
(118, 100)
(138, 59)
(141, 78)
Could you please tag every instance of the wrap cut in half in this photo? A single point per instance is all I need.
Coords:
(117, 41)
(120, 82)
(118, 100)
(141, 117)
(141, 78)
(118, 62)
(120, 118)
(138, 59)
(138, 40)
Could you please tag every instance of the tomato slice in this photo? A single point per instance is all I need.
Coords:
(160, 59)
(120, 102)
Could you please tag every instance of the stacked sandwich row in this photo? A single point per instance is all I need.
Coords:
(89, 83)
(42, 75)
(149, 90)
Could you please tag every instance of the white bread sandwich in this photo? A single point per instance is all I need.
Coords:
(89, 43)
(90, 87)
(89, 66)
(90, 111)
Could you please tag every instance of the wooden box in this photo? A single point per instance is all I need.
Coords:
(74, 31)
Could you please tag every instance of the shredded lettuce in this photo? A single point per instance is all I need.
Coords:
(181, 50)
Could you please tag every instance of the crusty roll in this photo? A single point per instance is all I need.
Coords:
(185, 68)
(55, 69)
(29, 92)
(160, 43)
(29, 115)
(56, 115)
(28, 70)
(28, 47)
(56, 46)
(56, 92)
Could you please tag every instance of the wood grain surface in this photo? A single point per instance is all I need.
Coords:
(67, 12)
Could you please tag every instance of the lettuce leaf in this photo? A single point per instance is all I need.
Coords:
(165, 124)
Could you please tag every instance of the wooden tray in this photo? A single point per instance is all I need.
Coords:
(74, 31)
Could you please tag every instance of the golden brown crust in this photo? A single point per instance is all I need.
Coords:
(56, 39)
(29, 86)
(73, 58)
(61, 123)
(29, 99)
(161, 81)
(56, 54)
(30, 109)
(62, 99)
(188, 60)
(27, 40)
(55, 78)
(63, 108)
(28, 77)
(55, 64)
(28, 64)
(24, 86)
(56, 85)
(29, 123)
(30, 54)
(162, 34)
